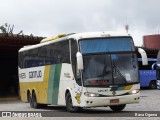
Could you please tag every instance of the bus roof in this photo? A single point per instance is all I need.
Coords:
(75, 36)
(96, 34)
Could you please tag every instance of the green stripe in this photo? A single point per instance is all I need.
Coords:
(117, 88)
(121, 88)
(50, 83)
(53, 88)
(56, 83)
(114, 89)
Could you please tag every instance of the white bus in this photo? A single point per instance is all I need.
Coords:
(81, 70)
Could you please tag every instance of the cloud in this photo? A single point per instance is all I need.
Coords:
(51, 17)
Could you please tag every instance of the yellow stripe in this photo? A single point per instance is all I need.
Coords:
(41, 88)
(128, 87)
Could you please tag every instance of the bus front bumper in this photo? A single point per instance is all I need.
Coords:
(107, 101)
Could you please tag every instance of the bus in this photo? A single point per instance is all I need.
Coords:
(147, 73)
(158, 70)
(80, 70)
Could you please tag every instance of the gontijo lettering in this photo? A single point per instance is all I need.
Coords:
(35, 74)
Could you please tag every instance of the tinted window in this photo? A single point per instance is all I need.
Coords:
(46, 55)
(74, 50)
(98, 45)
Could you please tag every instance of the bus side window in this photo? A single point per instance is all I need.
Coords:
(65, 54)
(74, 50)
(21, 59)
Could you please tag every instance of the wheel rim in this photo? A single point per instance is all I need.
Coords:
(30, 101)
(28, 97)
(153, 85)
(34, 100)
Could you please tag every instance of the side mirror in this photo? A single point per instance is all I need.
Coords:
(144, 56)
(154, 65)
(79, 61)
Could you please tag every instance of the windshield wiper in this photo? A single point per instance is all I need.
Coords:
(118, 71)
(104, 72)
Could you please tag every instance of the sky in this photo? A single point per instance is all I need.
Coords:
(46, 18)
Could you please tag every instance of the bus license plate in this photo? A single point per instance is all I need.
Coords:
(114, 101)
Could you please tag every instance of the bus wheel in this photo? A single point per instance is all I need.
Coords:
(28, 96)
(34, 101)
(43, 105)
(117, 108)
(69, 104)
(153, 85)
(30, 100)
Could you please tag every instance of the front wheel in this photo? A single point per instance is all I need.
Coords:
(117, 108)
(69, 104)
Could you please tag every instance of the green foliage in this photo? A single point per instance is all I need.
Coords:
(3, 28)
(7, 28)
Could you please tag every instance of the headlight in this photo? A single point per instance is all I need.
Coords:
(134, 91)
(91, 94)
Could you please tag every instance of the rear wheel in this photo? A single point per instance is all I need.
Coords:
(33, 102)
(153, 85)
(117, 108)
(29, 97)
(43, 105)
(69, 104)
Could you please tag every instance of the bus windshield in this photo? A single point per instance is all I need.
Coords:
(110, 69)
(113, 44)
(109, 61)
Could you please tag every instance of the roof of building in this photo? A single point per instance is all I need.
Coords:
(10, 43)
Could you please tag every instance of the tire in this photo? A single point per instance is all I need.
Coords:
(43, 105)
(33, 102)
(69, 105)
(28, 96)
(30, 100)
(153, 85)
(117, 108)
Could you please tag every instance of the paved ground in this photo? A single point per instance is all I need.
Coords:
(149, 102)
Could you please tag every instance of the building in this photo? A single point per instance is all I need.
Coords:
(151, 41)
(9, 46)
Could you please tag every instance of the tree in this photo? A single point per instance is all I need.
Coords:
(3, 28)
(7, 28)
